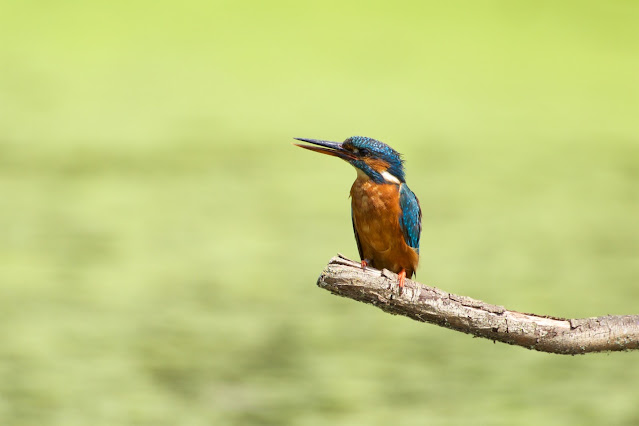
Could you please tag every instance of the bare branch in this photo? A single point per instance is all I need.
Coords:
(429, 304)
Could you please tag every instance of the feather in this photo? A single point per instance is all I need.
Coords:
(410, 217)
(359, 244)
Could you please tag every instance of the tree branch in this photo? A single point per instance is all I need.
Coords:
(420, 302)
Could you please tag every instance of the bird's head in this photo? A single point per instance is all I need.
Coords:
(372, 159)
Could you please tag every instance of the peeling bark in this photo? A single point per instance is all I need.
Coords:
(423, 303)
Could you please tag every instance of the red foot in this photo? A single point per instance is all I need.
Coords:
(402, 277)
(364, 263)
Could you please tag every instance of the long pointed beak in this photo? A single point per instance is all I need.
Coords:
(325, 147)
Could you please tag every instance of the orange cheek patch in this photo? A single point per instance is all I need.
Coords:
(379, 166)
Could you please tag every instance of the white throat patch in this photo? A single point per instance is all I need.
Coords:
(386, 175)
(390, 178)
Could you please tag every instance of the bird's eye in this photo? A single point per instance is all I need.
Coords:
(364, 152)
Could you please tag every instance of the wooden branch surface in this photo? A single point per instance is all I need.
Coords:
(420, 302)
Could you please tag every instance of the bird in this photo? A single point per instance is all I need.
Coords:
(386, 215)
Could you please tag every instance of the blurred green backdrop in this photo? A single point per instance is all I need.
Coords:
(160, 238)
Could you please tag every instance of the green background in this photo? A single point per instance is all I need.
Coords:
(160, 237)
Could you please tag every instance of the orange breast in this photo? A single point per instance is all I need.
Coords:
(376, 214)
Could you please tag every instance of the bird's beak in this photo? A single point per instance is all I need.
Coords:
(325, 147)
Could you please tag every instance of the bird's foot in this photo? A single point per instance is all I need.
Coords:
(402, 278)
(365, 263)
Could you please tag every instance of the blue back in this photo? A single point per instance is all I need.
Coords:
(410, 219)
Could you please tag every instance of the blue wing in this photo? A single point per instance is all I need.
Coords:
(359, 245)
(410, 218)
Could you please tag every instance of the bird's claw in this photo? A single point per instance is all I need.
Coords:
(402, 278)
(365, 263)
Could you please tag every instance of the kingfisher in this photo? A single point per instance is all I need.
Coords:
(386, 215)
